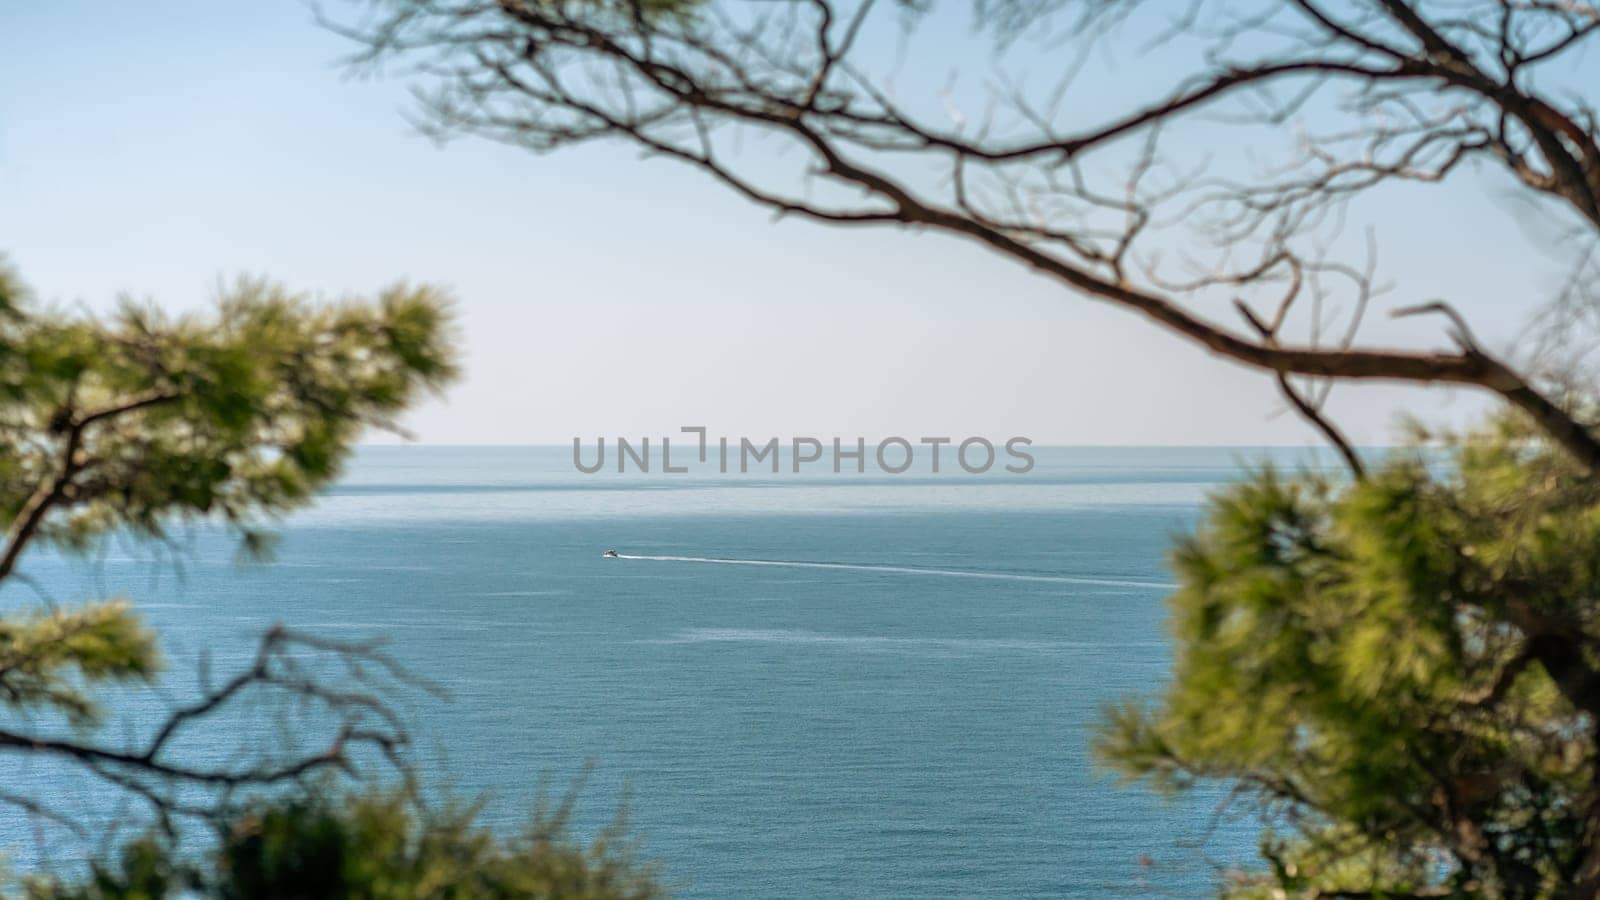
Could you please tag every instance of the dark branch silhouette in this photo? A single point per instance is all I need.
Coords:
(1398, 94)
(1423, 90)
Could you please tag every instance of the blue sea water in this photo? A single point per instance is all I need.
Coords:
(897, 702)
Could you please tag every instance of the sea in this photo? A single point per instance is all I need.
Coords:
(791, 685)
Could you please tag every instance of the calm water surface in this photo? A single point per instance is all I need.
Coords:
(901, 706)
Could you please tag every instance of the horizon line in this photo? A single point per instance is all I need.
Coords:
(1037, 446)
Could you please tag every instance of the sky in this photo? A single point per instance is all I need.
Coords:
(157, 149)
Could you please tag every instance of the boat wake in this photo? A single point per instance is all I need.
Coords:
(909, 570)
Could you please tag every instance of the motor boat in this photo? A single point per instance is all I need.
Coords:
(611, 554)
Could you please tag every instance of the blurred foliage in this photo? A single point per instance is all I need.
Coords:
(134, 422)
(383, 846)
(138, 422)
(236, 415)
(1400, 674)
(47, 659)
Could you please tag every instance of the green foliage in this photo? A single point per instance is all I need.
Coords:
(146, 418)
(135, 422)
(1401, 671)
(374, 846)
(139, 420)
(48, 659)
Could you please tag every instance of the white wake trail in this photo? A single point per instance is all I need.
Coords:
(909, 570)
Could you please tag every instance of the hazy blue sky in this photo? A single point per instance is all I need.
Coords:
(155, 147)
